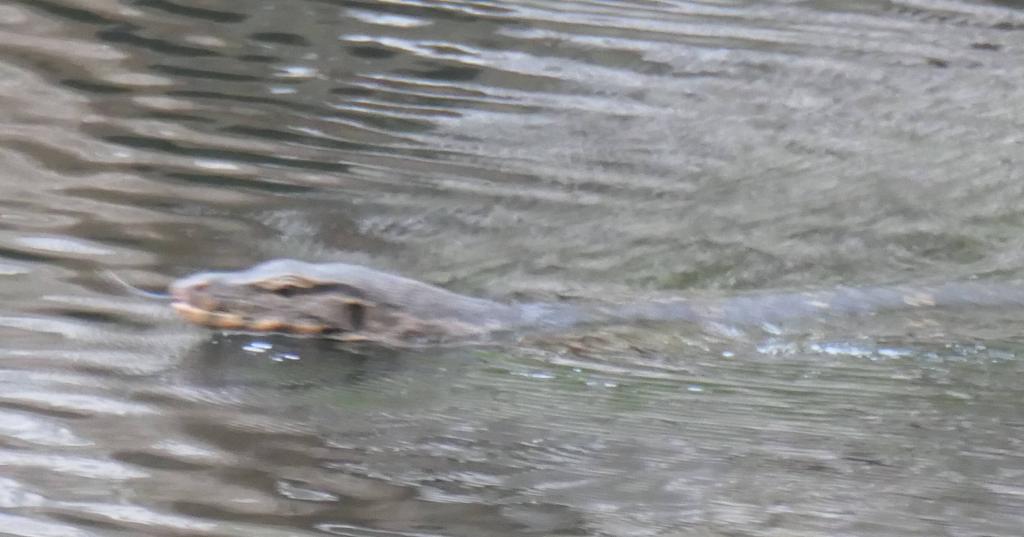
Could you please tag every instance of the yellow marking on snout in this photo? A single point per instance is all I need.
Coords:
(286, 281)
(208, 318)
(192, 314)
(268, 325)
(228, 321)
(307, 328)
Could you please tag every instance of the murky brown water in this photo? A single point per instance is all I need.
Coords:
(511, 149)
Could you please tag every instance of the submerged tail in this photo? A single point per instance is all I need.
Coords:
(767, 307)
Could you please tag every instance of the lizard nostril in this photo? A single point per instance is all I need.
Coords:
(356, 315)
(207, 303)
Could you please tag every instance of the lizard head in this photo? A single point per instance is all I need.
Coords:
(286, 296)
(336, 300)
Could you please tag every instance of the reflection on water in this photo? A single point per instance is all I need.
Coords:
(510, 149)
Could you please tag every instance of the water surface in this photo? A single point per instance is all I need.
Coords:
(531, 150)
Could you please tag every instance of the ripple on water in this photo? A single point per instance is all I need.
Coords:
(36, 429)
(23, 526)
(533, 149)
(72, 465)
(90, 405)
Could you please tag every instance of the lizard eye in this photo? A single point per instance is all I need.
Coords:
(356, 315)
(285, 291)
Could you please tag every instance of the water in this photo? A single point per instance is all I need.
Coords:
(585, 149)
